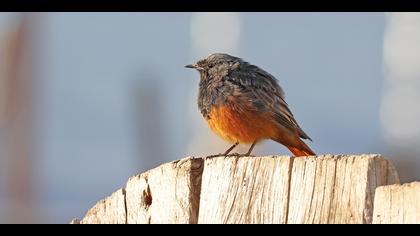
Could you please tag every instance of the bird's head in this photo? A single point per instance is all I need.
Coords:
(215, 62)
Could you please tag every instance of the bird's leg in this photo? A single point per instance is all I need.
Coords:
(230, 149)
(250, 149)
(246, 154)
(226, 153)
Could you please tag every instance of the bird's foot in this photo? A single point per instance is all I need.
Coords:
(229, 155)
(239, 155)
(215, 155)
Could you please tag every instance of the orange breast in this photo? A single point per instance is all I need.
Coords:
(245, 126)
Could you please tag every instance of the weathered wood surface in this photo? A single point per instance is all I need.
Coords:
(397, 204)
(337, 189)
(272, 189)
(167, 194)
(245, 190)
(111, 210)
(323, 189)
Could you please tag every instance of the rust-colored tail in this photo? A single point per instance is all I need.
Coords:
(297, 146)
(301, 152)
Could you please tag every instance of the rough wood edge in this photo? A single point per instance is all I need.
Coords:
(189, 167)
(391, 175)
(397, 204)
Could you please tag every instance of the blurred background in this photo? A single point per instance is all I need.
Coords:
(89, 99)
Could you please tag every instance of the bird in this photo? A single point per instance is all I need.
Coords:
(243, 103)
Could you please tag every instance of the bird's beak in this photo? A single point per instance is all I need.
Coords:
(192, 66)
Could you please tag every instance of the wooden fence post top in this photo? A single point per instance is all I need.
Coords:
(268, 189)
(397, 204)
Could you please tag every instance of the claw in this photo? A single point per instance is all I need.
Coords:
(212, 156)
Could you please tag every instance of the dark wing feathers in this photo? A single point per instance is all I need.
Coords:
(265, 93)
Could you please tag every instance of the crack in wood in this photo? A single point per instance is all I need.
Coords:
(274, 189)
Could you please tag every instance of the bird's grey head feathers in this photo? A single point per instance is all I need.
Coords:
(216, 61)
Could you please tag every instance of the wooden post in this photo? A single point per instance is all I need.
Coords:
(245, 190)
(110, 210)
(272, 189)
(167, 194)
(337, 189)
(397, 204)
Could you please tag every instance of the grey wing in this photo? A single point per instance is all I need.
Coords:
(266, 94)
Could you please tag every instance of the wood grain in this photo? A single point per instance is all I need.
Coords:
(337, 189)
(245, 190)
(169, 193)
(397, 204)
(111, 210)
(270, 189)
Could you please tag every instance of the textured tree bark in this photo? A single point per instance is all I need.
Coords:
(271, 189)
(397, 204)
